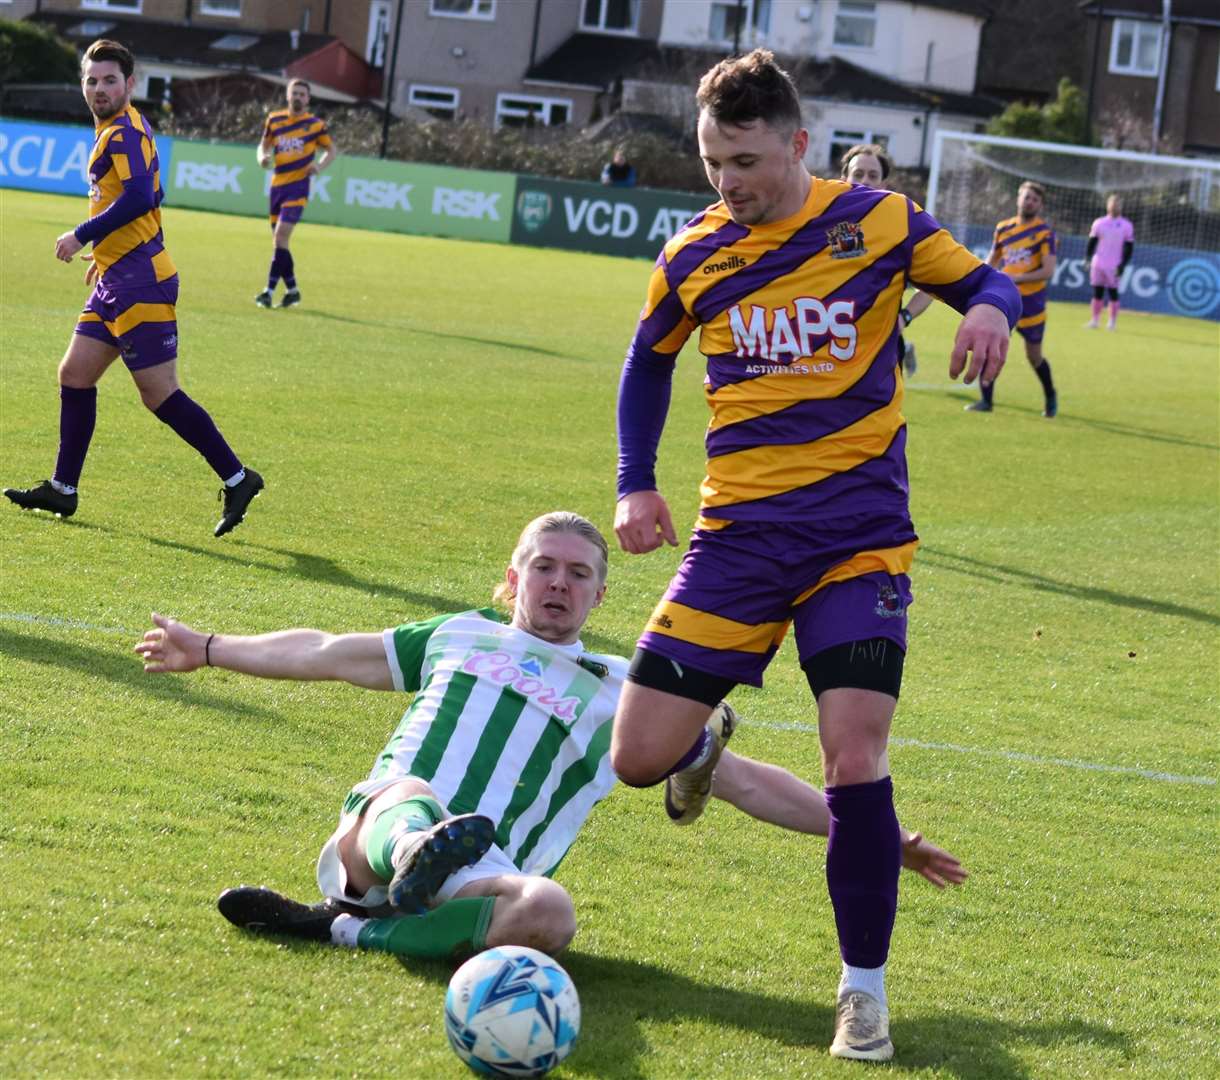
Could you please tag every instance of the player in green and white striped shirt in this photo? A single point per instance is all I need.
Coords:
(449, 845)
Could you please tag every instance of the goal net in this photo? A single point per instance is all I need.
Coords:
(1174, 204)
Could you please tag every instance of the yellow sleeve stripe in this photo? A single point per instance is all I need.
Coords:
(893, 561)
(121, 166)
(940, 260)
(762, 471)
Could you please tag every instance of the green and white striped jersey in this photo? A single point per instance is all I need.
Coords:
(506, 725)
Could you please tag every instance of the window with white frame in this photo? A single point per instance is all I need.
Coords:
(440, 101)
(856, 24)
(114, 5)
(742, 23)
(1135, 48)
(463, 9)
(618, 16)
(231, 8)
(520, 110)
(379, 33)
(842, 140)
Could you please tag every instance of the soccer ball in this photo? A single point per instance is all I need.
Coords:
(512, 1011)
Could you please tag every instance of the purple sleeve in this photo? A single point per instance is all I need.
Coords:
(983, 285)
(137, 199)
(138, 195)
(997, 290)
(643, 403)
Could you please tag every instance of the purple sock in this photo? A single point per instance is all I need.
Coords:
(287, 268)
(691, 755)
(193, 425)
(277, 269)
(863, 859)
(77, 417)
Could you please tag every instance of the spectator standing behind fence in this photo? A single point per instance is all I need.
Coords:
(618, 171)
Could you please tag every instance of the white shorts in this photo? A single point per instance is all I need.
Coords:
(332, 874)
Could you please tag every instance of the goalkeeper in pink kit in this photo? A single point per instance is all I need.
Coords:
(1111, 242)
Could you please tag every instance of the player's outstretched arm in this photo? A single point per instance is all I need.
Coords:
(172, 646)
(920, 303)
(774, 795)
(928, 861)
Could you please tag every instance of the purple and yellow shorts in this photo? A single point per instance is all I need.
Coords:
(287, 204)
(1032, 323)
(742, 585)
(138, 320)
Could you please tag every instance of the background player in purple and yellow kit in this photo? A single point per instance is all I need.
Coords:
(131, 311)
(291, 140)
(794, 285)
(1111, 245)
(1024, 248)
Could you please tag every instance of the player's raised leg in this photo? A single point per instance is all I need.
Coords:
(157, 382)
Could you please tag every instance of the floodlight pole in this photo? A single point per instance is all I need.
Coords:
(388, 88)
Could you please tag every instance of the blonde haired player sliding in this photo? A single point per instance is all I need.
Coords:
(449, 844)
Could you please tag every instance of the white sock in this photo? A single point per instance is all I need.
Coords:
(236, 478)
(63, 489)
(346, 929)
(869, 980)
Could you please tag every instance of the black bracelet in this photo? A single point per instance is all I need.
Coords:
(906, 316)
(207, 650)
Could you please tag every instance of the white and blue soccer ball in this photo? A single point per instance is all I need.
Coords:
(512, 1011)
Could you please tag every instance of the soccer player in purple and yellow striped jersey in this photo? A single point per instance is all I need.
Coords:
(131, 311)
(1024, 248)
(794, 285)
(291, 140)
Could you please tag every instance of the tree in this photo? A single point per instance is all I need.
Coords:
(1060, 121)
(32, 53)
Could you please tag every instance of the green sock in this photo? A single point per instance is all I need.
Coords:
(410, 815)
(454, 927)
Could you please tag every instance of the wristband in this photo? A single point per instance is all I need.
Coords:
(906, 316)
(207, 650)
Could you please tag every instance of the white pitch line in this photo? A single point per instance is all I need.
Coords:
(1009, 755)
(1006, 755)
(54, 620)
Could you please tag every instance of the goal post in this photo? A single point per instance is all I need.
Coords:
(1173, 202)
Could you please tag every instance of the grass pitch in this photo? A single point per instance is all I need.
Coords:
(1058, 728)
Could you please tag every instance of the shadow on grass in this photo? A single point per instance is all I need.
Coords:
(321, 569)
(318, 568)
(119, 666)
(496, 343)
(963, 564)
(618, 994)
(1108, 426)
(621, 998)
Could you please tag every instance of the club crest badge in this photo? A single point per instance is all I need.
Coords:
(889, 603)
(846, 240)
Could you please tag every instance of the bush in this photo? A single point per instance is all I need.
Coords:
(33, 54)
(1062, 120)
